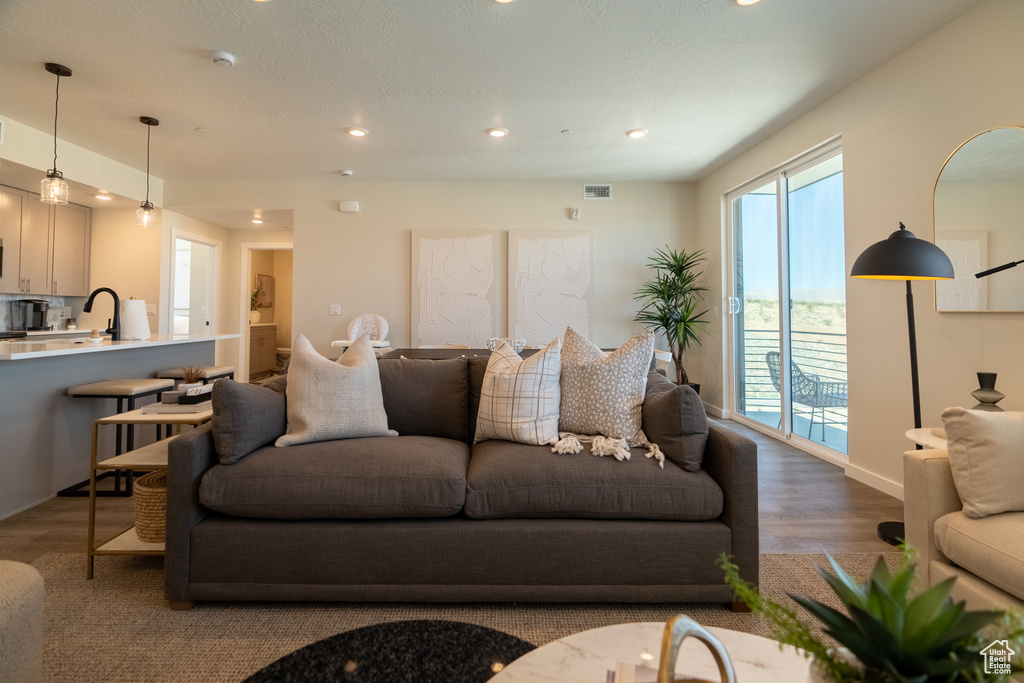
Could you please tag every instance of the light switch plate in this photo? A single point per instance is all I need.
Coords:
(335, 309)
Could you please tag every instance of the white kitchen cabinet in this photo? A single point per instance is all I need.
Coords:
(55, 244)
(11, 204)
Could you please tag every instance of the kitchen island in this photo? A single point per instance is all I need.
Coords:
(45, 434)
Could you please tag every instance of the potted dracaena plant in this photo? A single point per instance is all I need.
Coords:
(671, 302)
(886, 635)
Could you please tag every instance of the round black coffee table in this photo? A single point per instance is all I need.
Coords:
(424, 651)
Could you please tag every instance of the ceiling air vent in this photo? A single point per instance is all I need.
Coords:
(597, 191)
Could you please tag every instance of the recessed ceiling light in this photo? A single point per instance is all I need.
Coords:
(497, 132)
(202, 131)
(636, 133)
(747, 2)
(257, 221)
(357, 132)
(503, 1)
(104, 197)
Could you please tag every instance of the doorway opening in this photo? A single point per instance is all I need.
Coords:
(265, 345)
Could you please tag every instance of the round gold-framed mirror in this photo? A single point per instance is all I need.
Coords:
(978, 209)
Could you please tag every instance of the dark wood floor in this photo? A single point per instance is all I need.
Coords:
(807, 505)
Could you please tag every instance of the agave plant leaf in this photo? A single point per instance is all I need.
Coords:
(922, 613)
(875, 630)
(832, 618)
(969, 623)
(900, 581)
(844, 586)
(887, 609)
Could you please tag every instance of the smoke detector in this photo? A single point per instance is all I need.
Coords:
(222, 58)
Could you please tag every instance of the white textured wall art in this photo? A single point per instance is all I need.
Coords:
(454, 287)
(550, 280)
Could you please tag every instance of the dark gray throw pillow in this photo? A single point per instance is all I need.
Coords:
(674, 418)
(245, 417)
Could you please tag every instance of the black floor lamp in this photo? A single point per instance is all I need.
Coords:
(903, 257)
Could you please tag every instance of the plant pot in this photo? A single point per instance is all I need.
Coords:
(183, 386)
(254, 317)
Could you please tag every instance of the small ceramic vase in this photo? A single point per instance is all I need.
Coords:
(986, 393)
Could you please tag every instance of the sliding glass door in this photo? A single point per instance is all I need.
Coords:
(788, 304)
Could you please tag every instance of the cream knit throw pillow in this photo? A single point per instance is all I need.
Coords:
(519, 397)
(328, 400)
(602, 396)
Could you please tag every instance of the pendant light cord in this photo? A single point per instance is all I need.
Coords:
(56, 106)
(149, 132)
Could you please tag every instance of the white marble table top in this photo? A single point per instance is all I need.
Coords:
(632, 652)
(929, 437)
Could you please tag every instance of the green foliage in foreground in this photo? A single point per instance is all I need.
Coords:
(924, 639)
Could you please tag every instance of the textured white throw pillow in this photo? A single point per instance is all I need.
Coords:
(603, 393)
(328, 400)
(986, 455)
(519, 397)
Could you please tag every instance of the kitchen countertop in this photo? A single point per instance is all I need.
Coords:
(24, 350)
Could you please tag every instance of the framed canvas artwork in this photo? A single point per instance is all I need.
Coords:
(454, 287)
(550, 284)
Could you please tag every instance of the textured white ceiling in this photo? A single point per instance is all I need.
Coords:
(427, 77)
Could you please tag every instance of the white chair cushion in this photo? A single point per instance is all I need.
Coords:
(986, 456)
(992, 548)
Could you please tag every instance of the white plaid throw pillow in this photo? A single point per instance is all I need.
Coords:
(519, 397)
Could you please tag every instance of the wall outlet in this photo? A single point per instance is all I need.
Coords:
(150, 309)
(335, 309)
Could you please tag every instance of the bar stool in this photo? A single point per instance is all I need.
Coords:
(123, 390)
(210, 373)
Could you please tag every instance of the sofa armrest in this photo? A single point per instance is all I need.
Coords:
(188, 457)
(928, 493)
(731, 460)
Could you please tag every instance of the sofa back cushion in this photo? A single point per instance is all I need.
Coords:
(426, 397)
(674, 418)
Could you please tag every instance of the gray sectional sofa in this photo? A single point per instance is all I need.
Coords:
(430, 516)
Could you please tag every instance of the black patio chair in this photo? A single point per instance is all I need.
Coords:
(808, 390)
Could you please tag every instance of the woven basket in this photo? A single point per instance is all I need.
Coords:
(151, 507)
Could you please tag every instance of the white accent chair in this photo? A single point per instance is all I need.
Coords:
(369, 325)
(21, 623)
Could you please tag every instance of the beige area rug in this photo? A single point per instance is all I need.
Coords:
(117, 627)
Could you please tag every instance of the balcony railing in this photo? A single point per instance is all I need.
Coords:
(816, 353)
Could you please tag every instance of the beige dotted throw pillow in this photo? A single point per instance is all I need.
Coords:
(603, 393)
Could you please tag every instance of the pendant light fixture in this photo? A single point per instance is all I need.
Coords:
(54, 189)
(145, 217)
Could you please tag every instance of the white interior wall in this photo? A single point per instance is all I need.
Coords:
(899, 125)
(362, 260)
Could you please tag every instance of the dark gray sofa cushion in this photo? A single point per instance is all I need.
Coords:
(674, 418)
(373, 478)
(426, 397)
(245, 417)
(508, 480)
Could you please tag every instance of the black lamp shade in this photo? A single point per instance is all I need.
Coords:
(903, 257)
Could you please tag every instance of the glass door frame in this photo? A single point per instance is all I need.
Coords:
(780, 176)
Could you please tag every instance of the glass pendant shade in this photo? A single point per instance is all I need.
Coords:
(53, 189)
(145, 217)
